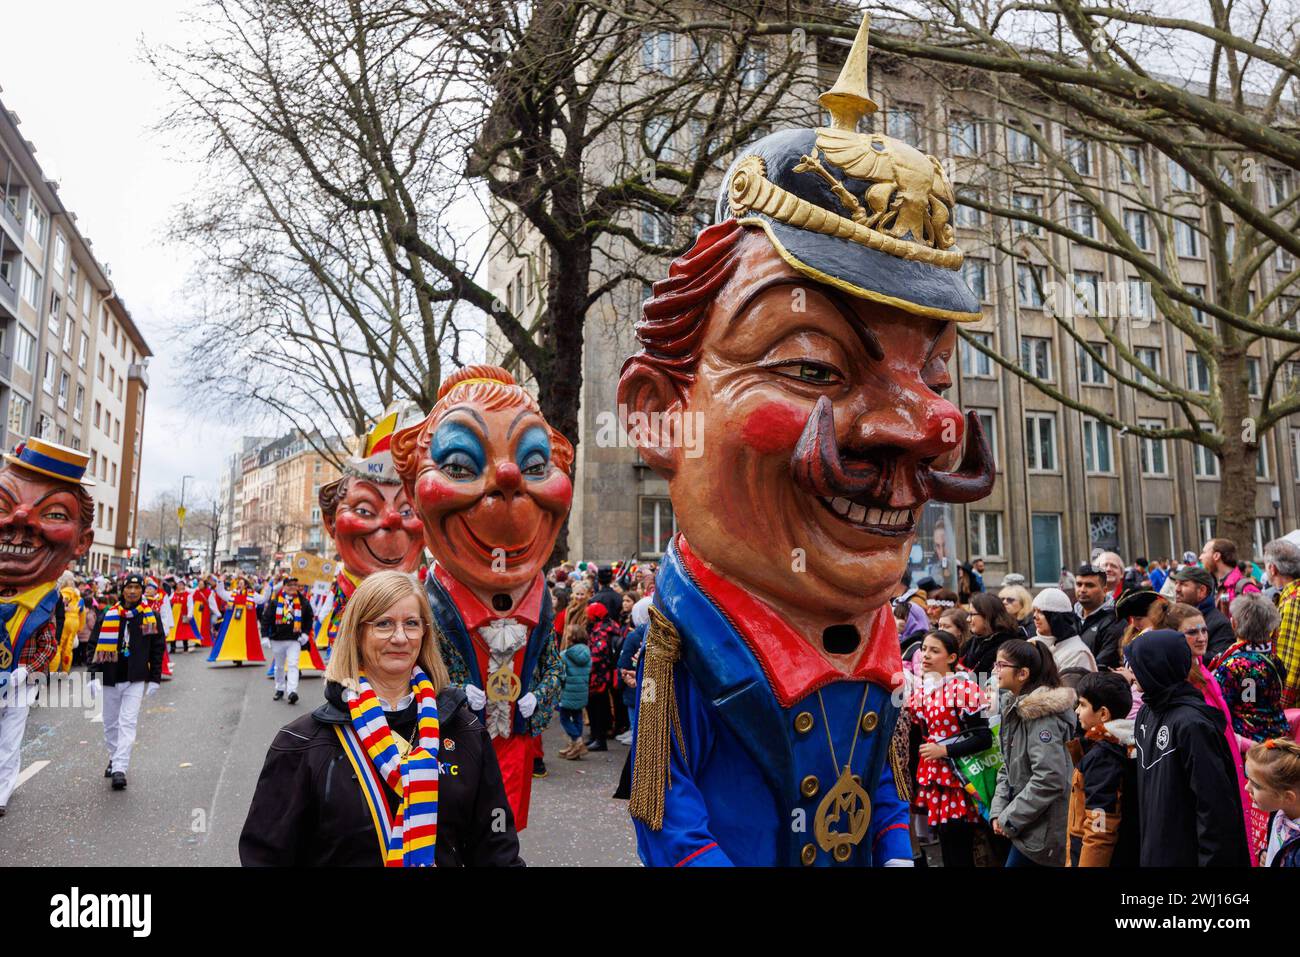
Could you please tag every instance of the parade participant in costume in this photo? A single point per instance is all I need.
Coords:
(155, 599)
(204, 608)
(129, 642)
(490, 479)
(46, 521)
(369, 515)
(71, 623)
(239, 639)
(287, 621)
(788, 389)
(182, 631)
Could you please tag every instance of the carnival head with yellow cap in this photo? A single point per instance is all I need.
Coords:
(490, 479)
(46, 514)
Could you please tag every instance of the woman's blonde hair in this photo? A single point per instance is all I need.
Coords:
(1278, 764)
(375, 595)
(1020, 594)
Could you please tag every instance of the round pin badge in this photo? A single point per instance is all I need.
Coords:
(1162, 736)
(1044, 736)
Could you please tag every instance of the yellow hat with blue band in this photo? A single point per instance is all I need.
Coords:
(52, 460)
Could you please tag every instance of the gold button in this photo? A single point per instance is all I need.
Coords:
(809, 785)
(842, 852)
(803, 722)
(808, 855)
(869, 721)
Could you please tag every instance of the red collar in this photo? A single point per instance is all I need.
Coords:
(475, 614)
(794, 668)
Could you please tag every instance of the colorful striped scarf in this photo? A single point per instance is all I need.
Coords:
(110, 632)
(296, 607)
(410, 835)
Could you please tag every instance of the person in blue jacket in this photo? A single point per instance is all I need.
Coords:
(789, 388)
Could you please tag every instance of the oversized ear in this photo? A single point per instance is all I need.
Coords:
(646, 399)
(328, 498)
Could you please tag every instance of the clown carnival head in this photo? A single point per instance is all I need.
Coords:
(490, 479)
(46, 514)
(809, 332)
(368, 513)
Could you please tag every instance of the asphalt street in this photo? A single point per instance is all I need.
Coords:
(200, 746)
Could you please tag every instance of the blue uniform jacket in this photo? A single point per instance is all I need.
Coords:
(739, 796)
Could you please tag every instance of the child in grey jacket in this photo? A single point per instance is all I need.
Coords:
(1031, 806)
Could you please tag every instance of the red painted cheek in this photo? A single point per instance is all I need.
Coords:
(433, 493)
(555, 494)
(774, 427)
(349, 524)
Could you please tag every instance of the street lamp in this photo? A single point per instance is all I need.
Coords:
(180, 528)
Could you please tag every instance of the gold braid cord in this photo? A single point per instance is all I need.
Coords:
(656, 714)
(898, 758)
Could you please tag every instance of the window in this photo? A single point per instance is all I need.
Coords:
(1045, 542)
(974, 363)
(1186, 238)
(989, 423)
(1040, 441)
(69, 332)
(1295, 450)
(1205, 464)
(1021, 146)
(60, 253)
(965, 135)
(1079, 152)
(31, 285)
(1087, 294)
(975, 272)
(81, 401)
(657, 525)
(98, 412)
(968, 216)
(1198, 314)
(657, 52)
(1103, 531)
(1096, 448)
(84, 351)
(1149, 356)
(1036, 357)
(753, 67)
(1133, 165)
(56, 312)
(1279, 186)
(1152, 451)
(72, 286)
(100, 374)
(46, 428)
(86, 295)
(113, 480)
(1029, 285)
(1252, 377)
(37, 222)
(1198, 373)
(1082, 219)
(1092, 372)
(654, 228)
(1265, 532)
(1160, 535)
(19, 413)
(1179, 178)
(1261, 461)
(903, 122)
(65, 382)
(25, 351)
(1135, 224)
(1027, 204)
(1139, 302)
(985, 535)
(47, 380)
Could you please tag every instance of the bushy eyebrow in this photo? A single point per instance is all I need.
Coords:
(864, 332)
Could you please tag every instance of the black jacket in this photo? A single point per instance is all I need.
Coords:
(285, 632)
(308, 808)
(143, 663)
(1095, 630)
(1188, 801)
(1222, 636)
(982, 651)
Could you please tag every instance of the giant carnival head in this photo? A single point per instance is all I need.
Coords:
(490, 478)
(46, 513)
(804, 341)
(368, 513)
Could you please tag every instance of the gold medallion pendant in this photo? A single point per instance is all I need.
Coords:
(842, 817)
(503, 685)
(6, 656)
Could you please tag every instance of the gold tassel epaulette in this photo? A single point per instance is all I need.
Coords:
(656, 714)
(898, 759)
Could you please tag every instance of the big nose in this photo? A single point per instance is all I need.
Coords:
(507, 477)
(917, 427)
(391, 520)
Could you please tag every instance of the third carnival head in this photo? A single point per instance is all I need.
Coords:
(810, 331)
(490, 479)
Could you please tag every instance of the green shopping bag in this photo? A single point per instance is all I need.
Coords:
(978, 772)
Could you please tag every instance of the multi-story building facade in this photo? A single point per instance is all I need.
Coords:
(1066, 484)
(72, 360)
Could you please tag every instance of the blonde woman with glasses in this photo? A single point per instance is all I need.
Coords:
(393, 769)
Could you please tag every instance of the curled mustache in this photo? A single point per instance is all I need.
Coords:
(818, 467)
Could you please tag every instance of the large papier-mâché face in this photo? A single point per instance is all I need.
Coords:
(490, 495)
(376, 528)
(41, 529)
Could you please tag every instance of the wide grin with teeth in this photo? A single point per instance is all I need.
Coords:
(7, 549)
(885, 521)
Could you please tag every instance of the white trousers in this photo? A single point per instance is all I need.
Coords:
(13, 722)
(121, 713)
(284, 658)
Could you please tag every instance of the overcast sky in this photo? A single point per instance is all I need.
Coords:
(71, 71)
